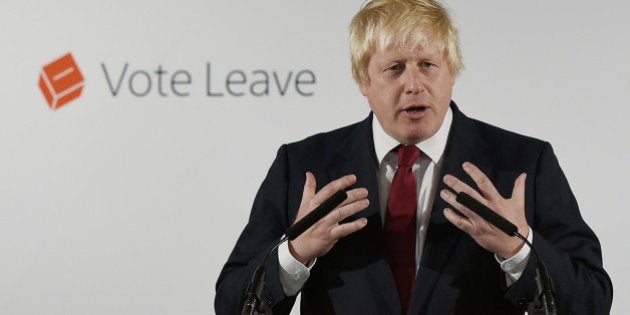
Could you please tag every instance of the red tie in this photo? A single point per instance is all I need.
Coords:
(400, 224)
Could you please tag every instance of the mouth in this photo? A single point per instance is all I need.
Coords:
(415, 109)
(415, 112)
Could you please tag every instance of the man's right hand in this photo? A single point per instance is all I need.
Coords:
(320, 238)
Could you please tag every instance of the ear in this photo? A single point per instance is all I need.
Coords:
(364, 89)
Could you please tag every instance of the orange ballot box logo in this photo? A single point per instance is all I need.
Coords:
(61, 81)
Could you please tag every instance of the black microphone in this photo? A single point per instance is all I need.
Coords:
(544, 302)
(477, 207)
(317, 214)
(256, 287)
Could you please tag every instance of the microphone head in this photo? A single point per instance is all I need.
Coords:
(317, 214)
(487, 214)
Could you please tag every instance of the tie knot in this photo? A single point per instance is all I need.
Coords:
(407, 155)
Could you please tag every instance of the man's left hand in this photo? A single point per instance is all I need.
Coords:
(483, 232)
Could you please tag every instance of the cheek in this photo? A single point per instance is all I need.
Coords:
(447, 85)
(382, 97)
(381, 103)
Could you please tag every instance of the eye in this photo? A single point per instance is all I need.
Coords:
(427, 65)
(396, 67)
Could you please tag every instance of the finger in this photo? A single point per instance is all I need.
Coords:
(483, 182)
(354, 195)
(333, 187)
(343, 212)
(346, 229)
(459, 186)
(451, 198)
(457, 220)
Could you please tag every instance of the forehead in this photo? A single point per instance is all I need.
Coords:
(427, 51)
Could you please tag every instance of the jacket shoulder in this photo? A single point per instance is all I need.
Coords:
(503, 139)
(323, 142)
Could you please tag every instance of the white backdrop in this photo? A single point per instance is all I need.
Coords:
(131, 204)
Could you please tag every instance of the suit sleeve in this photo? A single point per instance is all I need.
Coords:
(565, 243)
(267, 223)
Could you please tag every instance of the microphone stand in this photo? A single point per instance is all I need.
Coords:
(254, 295)
(544, 302)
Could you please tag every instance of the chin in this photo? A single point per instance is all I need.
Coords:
(417, 136)
(410, 140)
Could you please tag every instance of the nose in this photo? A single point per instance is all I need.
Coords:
(413, 81)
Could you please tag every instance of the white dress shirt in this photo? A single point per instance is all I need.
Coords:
(427, 171)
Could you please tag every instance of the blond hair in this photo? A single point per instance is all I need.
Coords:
(386, 24)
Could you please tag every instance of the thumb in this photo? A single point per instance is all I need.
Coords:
(307, 194)
(518, 193)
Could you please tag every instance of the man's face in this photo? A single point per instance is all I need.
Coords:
(409, 91)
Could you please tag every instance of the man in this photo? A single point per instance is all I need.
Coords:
(370, 257)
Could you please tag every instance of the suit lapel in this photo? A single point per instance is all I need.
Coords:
(464, 144)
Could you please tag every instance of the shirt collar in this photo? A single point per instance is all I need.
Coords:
(432, 147)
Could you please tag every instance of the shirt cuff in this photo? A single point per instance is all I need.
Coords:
(515, 265)
(293, 274)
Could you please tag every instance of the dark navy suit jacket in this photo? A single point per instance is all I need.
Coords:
(456, 276)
